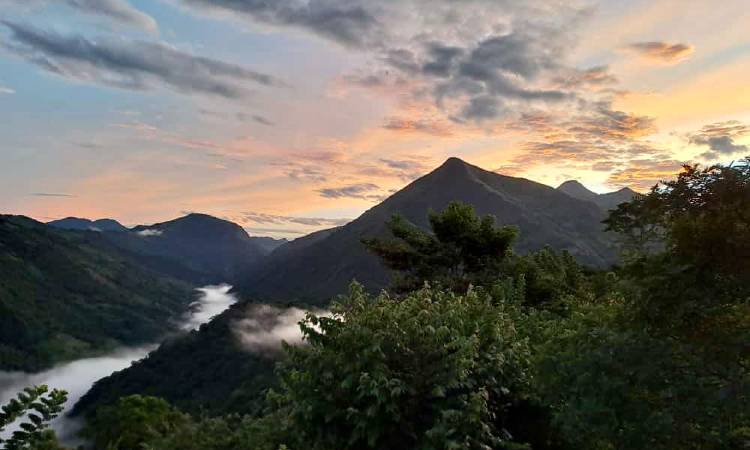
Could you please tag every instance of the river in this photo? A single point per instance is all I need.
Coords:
(78, 376)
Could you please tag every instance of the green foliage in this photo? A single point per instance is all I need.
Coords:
(433, 370)
(665, 364)
(39, 406)
(463, 249)
(66, 295)
(614, 386)
(703, 218)
(134, 421)
(540, 353)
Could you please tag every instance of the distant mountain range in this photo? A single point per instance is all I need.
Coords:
(606, 201)
(77, 223)
(75, 286)
(66, 294)
(198, 248)
(319, 266)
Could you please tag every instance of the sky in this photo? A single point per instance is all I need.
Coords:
(290, 116)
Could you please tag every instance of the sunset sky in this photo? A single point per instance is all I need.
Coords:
(288, 116)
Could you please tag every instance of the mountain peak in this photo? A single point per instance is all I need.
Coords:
(572, 183)
(78, 223)
(606, 201)
(454, 160)
(453, 167)
(575, 189)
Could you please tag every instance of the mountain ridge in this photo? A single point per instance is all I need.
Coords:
(323, 268)
(607, 201)
(79, 223)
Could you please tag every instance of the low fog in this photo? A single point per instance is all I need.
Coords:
(75, 377)
(213, 301)
(78, 376)
(265, 327)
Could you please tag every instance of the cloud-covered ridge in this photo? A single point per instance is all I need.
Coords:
(136, 65)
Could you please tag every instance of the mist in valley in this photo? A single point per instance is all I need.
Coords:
(77, 377)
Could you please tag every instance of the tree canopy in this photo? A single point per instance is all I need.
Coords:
(462, 249)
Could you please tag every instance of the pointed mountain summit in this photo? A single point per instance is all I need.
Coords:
(576, 190)
(315, 269)
(606, 201)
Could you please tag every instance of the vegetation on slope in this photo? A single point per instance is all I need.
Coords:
(66, 294)
(653, 356)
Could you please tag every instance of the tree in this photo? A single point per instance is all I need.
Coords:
(462, 249)
(39, 406)
(665, 364)
(701, 219)
(133, 422)
(433, 370)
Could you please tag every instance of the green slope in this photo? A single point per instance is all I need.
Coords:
(67, 294)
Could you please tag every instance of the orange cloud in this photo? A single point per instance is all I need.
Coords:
(661, 52)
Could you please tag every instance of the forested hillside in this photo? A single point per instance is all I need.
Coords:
(497, 350)
(66, 294)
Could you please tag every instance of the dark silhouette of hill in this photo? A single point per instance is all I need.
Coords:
(77, 223)
(316, 267)
(197, 247)
(606, 201)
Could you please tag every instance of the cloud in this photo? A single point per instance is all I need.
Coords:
(348, 23)
(52, 194)
(606, 123)
(265, 327)
(118, 10)
(149, 232)
(358, 190)
(262, 120)
(431, 47)
(642, 174)
(661, 52)
(720, 139)
(599, 137)
(263, 218)
(6, 90)
(430, 127)
(598, 76)
(135, 65)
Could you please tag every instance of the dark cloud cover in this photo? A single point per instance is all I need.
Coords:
(720, 139)
(136, 65)
(434, 44)
(348, 23)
